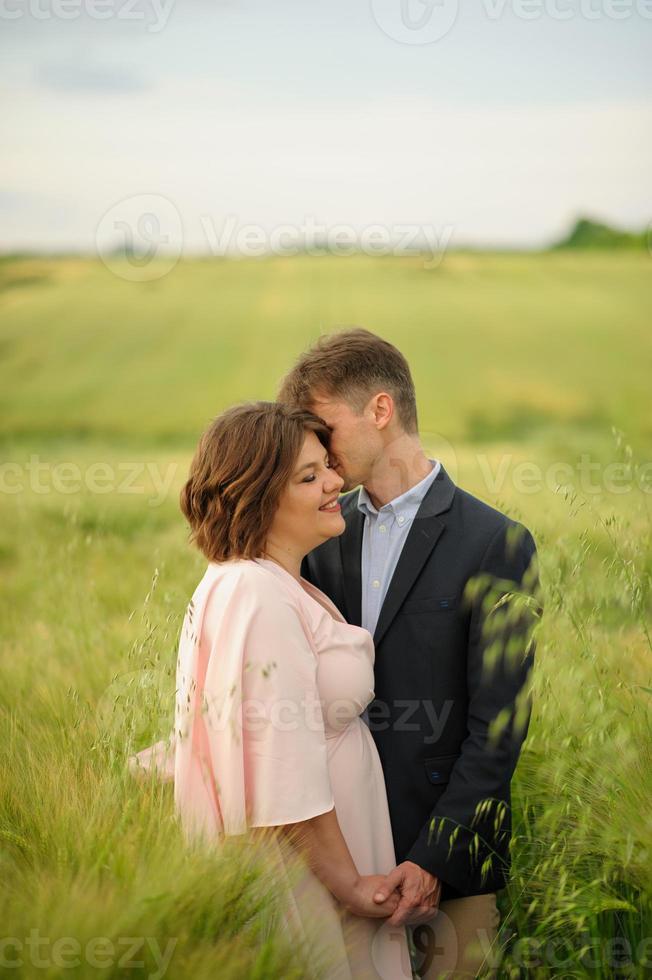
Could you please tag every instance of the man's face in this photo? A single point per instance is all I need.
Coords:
(355, 441)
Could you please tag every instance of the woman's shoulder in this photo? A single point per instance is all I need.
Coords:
(248, 576)
(241, 591)
(234, 569)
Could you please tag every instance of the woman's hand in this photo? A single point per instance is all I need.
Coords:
(321, 842)
(361, 899)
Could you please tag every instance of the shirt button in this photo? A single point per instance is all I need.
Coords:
(376, 583)
(382, 527)
(401, 520)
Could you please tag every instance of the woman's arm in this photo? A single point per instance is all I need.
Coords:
(321, 841)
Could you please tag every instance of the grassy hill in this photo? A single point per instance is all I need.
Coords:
(524, 365)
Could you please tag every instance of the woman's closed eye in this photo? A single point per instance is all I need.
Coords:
(311, 478)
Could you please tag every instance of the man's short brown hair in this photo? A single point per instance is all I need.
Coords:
(352, 365)
(242, 464)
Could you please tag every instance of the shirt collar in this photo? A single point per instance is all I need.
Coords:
(408, 503)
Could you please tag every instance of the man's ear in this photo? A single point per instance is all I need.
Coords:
(382, 406)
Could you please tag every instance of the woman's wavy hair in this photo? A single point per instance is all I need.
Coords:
(242, 464)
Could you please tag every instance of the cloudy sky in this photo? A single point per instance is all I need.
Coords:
(496, 124)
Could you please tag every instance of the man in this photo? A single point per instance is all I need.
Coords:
(448, 587)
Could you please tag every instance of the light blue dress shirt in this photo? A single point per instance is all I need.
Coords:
(383, 537)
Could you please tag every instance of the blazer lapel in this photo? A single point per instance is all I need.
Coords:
(422, 537)
(351, 557)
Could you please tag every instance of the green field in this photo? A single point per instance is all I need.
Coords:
(533, 382)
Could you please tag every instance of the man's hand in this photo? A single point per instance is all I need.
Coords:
(419, 890)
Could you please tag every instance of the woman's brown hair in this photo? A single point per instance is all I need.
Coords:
(242, 464)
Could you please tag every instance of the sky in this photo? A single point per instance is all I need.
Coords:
(213, 126)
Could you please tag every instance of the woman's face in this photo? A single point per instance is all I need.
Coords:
(308, 512)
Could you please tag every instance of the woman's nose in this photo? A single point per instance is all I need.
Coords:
(334, 481)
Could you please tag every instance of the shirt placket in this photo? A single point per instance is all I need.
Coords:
(380, 548)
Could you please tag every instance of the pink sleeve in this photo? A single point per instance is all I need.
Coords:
(286, 775)
(157, 759)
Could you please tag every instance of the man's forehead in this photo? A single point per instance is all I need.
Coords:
(320, 404)
(329, 403)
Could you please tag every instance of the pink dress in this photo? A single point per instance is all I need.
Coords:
(271, 683)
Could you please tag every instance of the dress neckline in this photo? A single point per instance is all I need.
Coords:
(282, 569)
(306, 587)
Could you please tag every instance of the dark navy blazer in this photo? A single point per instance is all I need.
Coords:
(454, 648)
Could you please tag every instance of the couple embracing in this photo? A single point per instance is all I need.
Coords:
(353, 666)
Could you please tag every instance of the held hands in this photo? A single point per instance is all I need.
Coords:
(419, 894)
(361, 901)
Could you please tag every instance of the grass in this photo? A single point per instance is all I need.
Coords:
(529, 369)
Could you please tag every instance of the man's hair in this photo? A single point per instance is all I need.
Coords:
(352, 365)
(242, 464)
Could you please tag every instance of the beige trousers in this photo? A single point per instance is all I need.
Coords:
(460, 941)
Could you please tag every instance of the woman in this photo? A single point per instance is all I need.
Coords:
(271, 683)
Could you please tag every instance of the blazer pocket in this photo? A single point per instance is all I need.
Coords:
(430, 604)
(438, 769)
